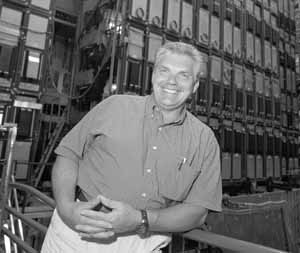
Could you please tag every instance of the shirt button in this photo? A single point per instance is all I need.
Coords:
(144, 195)
(154, 148)
(149, 170)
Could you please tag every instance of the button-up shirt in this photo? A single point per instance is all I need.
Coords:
(126, 152)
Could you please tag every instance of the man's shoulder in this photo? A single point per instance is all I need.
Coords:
(198, 126)
(125, 98)
(122, 100)
(197, 122)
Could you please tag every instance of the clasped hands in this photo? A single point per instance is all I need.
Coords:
(98, 224)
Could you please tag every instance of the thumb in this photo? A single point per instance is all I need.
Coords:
(109, 202)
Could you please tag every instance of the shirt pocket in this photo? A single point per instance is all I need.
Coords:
(175, 177)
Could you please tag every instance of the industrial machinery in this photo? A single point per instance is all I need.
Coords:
(247, 90)
(60, 58)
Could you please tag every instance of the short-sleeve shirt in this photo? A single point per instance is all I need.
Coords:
(127, 153)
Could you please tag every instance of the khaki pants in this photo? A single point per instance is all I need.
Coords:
(61, 239)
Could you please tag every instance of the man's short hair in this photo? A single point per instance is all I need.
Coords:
(180, 48)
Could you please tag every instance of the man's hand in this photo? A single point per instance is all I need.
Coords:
(123, 218)
(72, 216)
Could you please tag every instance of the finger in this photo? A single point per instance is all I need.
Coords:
(100, 235)
(93, 202)
(90, 229)
(109, 202)
(95, 222)
(96, 215)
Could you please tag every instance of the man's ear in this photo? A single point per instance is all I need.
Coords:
(152, 76)
(196, 86)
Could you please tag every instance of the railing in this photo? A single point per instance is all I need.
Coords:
(206, 241)
(11, 217)
(26, 218)
(202, 237)
(14, 213)
(228, 243)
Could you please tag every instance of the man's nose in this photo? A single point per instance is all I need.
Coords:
(172, 79)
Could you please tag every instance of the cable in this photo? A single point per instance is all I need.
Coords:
(107, 51)
(103, 62)
(99, 6)
(48, 62)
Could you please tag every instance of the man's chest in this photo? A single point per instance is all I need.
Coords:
(144, 157)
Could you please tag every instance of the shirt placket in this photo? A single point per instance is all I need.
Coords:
(153, 147)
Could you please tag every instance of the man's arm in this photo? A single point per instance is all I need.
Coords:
(124, 218)
(64, 180)
(177, 218)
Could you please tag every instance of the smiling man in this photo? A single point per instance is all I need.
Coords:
(175, 78)
(145, 167)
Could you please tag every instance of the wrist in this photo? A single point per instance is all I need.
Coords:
(143, 225)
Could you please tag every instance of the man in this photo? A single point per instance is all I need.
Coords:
(152, 165)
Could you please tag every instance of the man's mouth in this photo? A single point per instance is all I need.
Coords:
(170, 91)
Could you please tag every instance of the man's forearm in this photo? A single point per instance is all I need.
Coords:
(178, 218)
(64, 178)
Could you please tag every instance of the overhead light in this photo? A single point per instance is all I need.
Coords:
(28, 104)
(113, 87)
(34, 59)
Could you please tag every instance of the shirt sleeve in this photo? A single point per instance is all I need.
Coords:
(207, 188)
(80, 137)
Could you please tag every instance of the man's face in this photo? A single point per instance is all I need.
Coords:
(174, 80)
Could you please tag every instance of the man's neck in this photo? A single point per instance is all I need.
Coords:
(172, 116)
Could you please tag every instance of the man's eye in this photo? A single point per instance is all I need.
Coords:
(184, 75)
(163, 71)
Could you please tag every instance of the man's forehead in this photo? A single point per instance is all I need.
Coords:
(167, 57)
(165, 61)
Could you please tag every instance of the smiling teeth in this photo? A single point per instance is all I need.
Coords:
(170, 91)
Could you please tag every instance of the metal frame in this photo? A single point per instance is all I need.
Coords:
(7, 168)
(228, 243)
(8, 185)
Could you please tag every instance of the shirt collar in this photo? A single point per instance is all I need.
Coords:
(152, 109)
